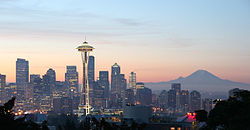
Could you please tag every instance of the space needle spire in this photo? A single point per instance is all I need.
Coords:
(84, 106)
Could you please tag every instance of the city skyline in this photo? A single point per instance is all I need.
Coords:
(188, 36)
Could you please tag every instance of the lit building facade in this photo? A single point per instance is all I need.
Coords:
(10, 91)
(99, 98)
(177, 88)
(132, 81)
(2, 89)
(52, 75)
(104, 83)
(115, 79)
(143, 96)
(22, 80)
(91, 78)
(129, 97)
(163, 99)
(184, 100)
(195, 100)
(71, 80)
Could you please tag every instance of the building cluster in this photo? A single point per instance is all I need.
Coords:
(43, 93)
(177, 100)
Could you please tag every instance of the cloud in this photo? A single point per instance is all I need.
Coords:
(127, 21)
(181, 42)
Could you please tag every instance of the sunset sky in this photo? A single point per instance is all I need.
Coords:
(160, 40)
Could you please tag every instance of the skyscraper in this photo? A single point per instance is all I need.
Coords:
(99, 99)
(143, 96)
(30, 92)
(163, 99)
(52, 75)
(91, 69)
(115, 79)
(2, 89)
(123, 83)
(22, 79)
(71, 80)
(118, 86)
(195, 100)
(177, 88)
(184, 100)
(91, 78)
(172, 98)
(84, 106)
(129, 97)
(47, 87)
(104, 83)
(37, 92)
(132, 81)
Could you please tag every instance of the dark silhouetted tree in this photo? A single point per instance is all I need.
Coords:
(231, 114)
(201, 115)
(9, 122)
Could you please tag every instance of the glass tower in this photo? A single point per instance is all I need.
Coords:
(22, 79)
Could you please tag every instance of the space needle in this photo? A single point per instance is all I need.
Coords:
(84, 106)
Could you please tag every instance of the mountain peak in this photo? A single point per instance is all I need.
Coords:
(202, 75)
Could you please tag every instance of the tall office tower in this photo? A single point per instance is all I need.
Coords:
(117, 86)
(132, 81)
(2, 89)
(84, 106)
(177, 88)
(143, 96)
(52, 75)
(30, 91)
(91, 78)
(115, 79)
(184, 100)
(123, 84)
(91, 69)
(163, 99)
(51, 80)
(129, 97)
(47, 85)
(172, 99)
(31, 94)
(104, 83)
(37, 92)
(22, 79)
(99, 99)
(207, 104)
(195, 100)
(71, 80)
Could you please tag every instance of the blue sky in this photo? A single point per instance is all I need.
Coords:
(178, 36)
